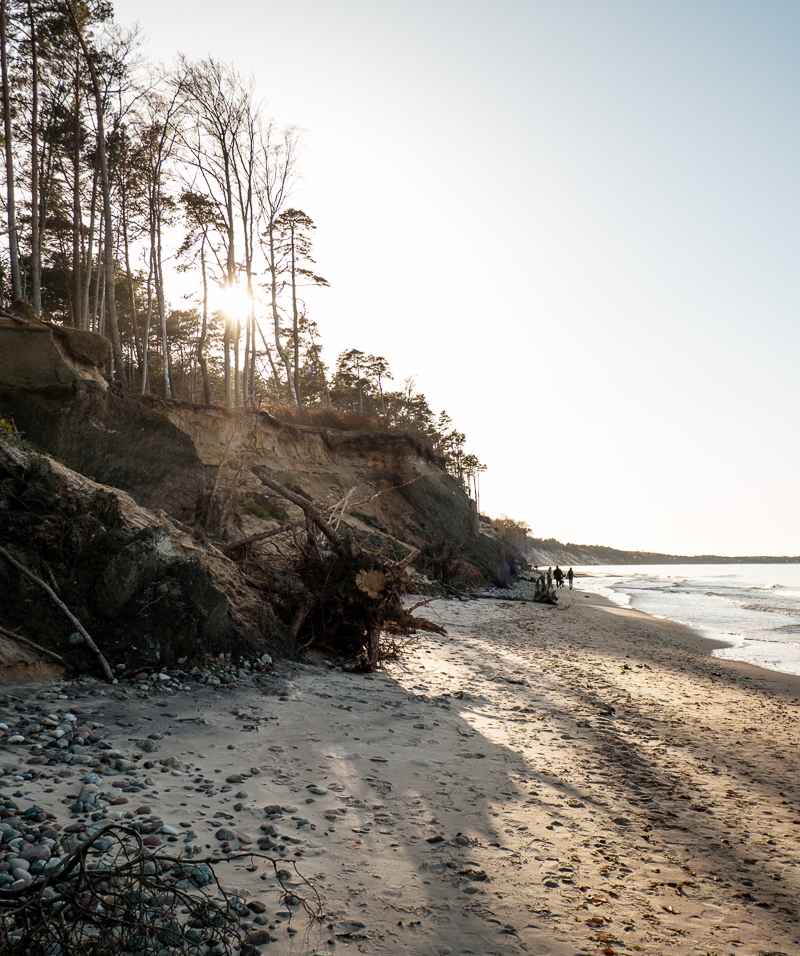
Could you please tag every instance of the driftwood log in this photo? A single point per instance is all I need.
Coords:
(31, 645)
(541, 594)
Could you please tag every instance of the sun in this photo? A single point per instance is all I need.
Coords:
(232, 300)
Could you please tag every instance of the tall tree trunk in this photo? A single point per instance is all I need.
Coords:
(295, 322)
(80, 313)
(276, 378)
(245, 196)
(226, 351)
(100, 320)
(237, 335)
(162, 314)
(129, 278)
(231, 279)
(246, 363)
(13, 245)
(148, 321)
(89, 270)
(45, 177)
(201, 341)
(158, 278)
(36, 246)
(94, 277)
(276, 320)
(111, 299)
(252, 370)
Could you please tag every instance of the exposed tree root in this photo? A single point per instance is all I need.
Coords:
(335, 596)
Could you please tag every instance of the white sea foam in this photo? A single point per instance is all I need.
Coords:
(761, 621)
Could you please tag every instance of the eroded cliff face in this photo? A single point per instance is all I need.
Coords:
(176, 456)
(393, 485)
(58, 401)
(141, 480)
(147, 591)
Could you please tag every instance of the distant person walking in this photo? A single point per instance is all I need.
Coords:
(558, 574)
(570, 576)
(549, 578)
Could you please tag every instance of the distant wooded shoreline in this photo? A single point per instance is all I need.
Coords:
(551, 551)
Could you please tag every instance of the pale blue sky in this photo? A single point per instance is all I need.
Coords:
(575, 220)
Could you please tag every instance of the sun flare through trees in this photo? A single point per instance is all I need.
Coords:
(154, 206)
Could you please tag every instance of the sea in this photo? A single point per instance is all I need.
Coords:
(754, 608)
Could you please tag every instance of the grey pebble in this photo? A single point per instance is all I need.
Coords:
(259, 937)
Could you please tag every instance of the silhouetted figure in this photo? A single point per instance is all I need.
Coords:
(549, 578)
(570, 576)
(558, 574)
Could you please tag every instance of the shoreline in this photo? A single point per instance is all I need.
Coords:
(734, 646)
(539, 781)
(702, 642)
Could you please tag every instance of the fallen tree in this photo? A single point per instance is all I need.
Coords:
(335, 595)
(59, 603)
(138, 591)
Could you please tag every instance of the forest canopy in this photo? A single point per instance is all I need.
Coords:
(125, 182)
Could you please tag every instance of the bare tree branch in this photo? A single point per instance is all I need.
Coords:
(57, 600)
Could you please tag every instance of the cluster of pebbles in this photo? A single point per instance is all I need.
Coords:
(49, 744)
(221, 672)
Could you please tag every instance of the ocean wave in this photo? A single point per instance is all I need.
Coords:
(758, 616)
(790, 610)
(780, 635)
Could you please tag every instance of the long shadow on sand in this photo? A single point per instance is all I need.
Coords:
(711, 785)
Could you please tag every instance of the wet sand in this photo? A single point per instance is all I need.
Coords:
(580, 779)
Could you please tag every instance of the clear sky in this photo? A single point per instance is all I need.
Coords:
(576, 221)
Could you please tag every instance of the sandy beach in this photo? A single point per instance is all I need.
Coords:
(580, 779)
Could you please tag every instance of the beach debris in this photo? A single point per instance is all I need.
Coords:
(373, 583)
(108, 893)
(443, 560)
(31, 645)
(541, 594)
(101, 897)
(336, 597)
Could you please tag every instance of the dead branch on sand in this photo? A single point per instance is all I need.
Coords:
(31, 645)
(57, 600)
(111, 894)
